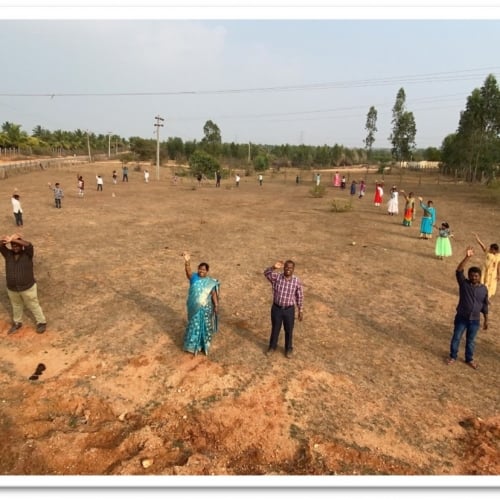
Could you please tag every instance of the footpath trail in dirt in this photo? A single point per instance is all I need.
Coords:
(367, 393)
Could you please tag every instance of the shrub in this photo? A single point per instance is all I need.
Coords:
(341, 205)
(318, 191)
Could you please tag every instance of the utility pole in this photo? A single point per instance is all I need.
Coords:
(109, 145)
(249, 154)
(158, 125)
(88, 147)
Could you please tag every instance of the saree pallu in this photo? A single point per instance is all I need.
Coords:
(202, 320)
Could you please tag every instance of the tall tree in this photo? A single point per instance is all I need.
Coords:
(212, 139)
(404, 129)
(478, 135)
(371, 128)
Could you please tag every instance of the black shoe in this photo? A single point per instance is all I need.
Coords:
(289, 354)
(40, 328)
(14, 328)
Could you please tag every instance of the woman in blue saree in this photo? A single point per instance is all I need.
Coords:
(202, 308)
(428, 219)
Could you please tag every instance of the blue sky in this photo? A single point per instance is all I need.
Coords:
(264, 81)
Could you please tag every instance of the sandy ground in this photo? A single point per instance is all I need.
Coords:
(367, 393)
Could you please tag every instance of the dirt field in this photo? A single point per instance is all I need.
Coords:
(367, 393)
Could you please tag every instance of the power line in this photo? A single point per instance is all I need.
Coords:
(371, 82)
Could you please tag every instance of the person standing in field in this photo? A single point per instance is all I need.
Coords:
(115, 177)
(393, 204)
(362, 188)
(353, 188)
(428, 219)
(100, 182)
(490, 272)
(409, 214)
(473, 300)
(237, 180)
(81, 186)
(146, 176)
(218, 178)
(58, 194)
(336, 180)
(379, 194)
(17, 210)
(287, 293)
(21, 283)
(124, 173)
(261, 179)
(443, 243)
(202, 307)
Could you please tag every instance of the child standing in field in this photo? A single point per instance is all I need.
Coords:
(115, 176)
(16, 208)
(58, 194)
(362, 189)
(100, 182)
(443, 244)
(146, 176)
(81, 186)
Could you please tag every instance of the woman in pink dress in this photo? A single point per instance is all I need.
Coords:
(336, 180)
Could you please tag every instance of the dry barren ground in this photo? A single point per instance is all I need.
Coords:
(367, 393)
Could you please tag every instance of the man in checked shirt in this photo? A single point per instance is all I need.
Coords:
(287, 292)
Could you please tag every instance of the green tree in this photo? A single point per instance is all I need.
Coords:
(13, 136)
(144, 149)
(479, 129)
(371, 128)
(211, 142)
(404, 129)
(432, 154)
(175, 148)
(261, 163)
(200, 162)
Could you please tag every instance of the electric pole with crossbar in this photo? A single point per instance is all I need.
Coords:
(158, 125)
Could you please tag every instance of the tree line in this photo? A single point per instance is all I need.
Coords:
(472, 152)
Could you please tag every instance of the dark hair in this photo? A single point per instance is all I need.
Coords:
(289, 262)
(474, 269)
(494, 246)
(445, 224)
(16, 196)
(203, 264)
(429, 202)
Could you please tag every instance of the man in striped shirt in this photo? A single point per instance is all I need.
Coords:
(287, 293)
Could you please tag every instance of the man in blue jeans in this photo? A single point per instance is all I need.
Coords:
(473, 300)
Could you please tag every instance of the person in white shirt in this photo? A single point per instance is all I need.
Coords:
(146, 176)
(100, 182)
(17, 209)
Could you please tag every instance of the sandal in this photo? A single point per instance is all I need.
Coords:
(472, 364)
(450, 361)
